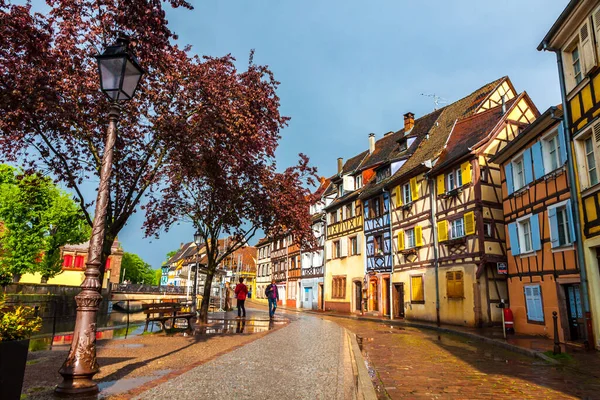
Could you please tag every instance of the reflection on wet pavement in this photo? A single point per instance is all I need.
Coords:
(111, 388)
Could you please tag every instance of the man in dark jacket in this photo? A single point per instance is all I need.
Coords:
(241, 291)
(273, 295)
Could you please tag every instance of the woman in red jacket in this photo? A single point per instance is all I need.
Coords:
(241, 291)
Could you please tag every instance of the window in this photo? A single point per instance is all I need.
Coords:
(338, 286)
(533, 303)
(375, 209)
(378, 245)
(353, 245)
(591, 161)
(340, 190)
(525, 236)
(382, 174)
(483, 174)
(68, 261)
(403, 144)
(349, 211)
(358, 181)
(551, 153)
(332, 218)
(454, 180)
(79, 262)
(562, 230)
(409, 238)
(518, 173)
(357, 208)
(576, 63)
(487, 230)
(455, 285)
(417, 294)
(406, 196)
(457, 228)
(337, 249)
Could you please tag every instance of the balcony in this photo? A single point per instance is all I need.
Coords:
(279, 276)
(312, 272)
(294, 273)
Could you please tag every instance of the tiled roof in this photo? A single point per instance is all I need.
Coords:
(438, 135)
(469, 131)
(383, 148)
(353, 163)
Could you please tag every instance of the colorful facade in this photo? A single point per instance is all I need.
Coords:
(543, 275)
(575, 39)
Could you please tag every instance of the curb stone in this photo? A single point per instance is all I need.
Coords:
(363, 385)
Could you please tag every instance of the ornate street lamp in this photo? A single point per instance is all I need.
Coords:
(120, 75)
(198, 241)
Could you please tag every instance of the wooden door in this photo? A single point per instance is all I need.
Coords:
(575, 312)
(357, 296)
(398, 300)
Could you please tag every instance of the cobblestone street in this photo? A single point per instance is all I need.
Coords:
(419, 364)
(307, 359)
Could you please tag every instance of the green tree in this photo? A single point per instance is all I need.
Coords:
(169, 255)
(37, 220)
(157, 276)
(136, 270)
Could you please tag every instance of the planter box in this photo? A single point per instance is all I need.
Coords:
(13, 358)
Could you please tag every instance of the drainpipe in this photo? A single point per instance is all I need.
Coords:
(433, 199)
(574, 195)
(391, 253)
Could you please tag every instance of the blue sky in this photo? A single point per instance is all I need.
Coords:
(348, 68)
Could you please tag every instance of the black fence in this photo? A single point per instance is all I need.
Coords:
(142, 288)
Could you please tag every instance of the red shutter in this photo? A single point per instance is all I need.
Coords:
(79, 261)
(68, 261)
(107, 267)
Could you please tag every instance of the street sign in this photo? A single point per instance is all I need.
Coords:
(502, 268)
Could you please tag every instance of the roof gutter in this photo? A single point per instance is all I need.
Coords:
(573, 187)
(557, 24)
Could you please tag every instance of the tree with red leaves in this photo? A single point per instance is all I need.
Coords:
(54, 116)
(223, 177)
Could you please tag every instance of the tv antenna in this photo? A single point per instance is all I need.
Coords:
(437, 100)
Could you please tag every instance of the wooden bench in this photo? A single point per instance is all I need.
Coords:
(163, 312)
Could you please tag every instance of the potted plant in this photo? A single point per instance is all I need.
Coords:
(16, 326)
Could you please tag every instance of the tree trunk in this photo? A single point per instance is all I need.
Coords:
(44, 279)
(16, 278)
(203, 318)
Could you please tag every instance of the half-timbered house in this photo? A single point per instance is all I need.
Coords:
(263, 268)
(311, 282)
(344, 241)
(575, 39)
(279, 264)
(468, 209)
(542, 271)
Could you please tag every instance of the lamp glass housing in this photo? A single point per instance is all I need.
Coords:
(119, 71)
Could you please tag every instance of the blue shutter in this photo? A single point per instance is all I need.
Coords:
(535, 232)
(514, 239)
(562, 143)
(531, 308)
(553, 227)
(509, 178)
(528, 166)
(538, 160)
(572, 220)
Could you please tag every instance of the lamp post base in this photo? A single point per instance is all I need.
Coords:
(76, 387)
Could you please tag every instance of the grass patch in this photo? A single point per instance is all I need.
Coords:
(560, 357)
(33, 362)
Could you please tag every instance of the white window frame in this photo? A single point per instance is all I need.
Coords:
(353, 250)
(518, 183)
(406, 194)
(567, 230)
(547, 158)
(409, 238)
(589, 168)
(522, 222)
(358, 181)
(453, 228)
(454, 180)
(576, 62)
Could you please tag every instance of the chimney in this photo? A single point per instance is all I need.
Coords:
(371, 143)
(409, 121)
(340, 164)
(503, 105)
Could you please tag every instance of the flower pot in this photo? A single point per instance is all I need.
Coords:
(13, 358)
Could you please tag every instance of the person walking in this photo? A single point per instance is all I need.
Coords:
(241, 291)
(273, 296)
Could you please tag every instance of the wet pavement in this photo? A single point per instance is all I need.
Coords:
(411, 363)
(306, 359)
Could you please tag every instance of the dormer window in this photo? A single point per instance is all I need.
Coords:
(382, 174)
(340, 189)
(403, 144)
(358, 181)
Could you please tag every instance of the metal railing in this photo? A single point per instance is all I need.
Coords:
(142, 288)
